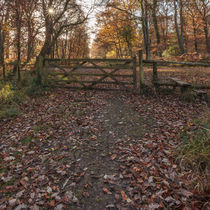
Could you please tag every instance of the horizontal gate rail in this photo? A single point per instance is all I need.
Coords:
(85, 81)
(88, 59)
(96, 75)
(93, 67)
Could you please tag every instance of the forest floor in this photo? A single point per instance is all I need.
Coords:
(96, 150)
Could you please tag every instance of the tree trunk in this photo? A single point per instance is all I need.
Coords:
(30, 42)
(195, 35)
(180, 40)
(7, 46)
(207, 37)
(47, 46)
(155, 23)
(18, 45)
(144, 10)
(181, 26)
(2, 40)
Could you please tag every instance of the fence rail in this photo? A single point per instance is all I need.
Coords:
(165, 63)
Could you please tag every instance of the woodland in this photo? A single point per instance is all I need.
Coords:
(104, 104)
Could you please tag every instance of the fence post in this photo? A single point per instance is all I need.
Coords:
(141, 71)
(134, 73)
(155, 76)
(155, 73)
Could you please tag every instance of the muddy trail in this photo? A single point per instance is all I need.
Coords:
(94, 150)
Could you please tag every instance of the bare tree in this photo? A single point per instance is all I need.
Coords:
(57, 17)
(32, 26)
(179, 35)
(4, 16)
(204, 10)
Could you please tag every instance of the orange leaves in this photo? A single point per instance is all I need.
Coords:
(105, 190)
(124, 196)
(52, 203)
(140, 180)
(113, 157)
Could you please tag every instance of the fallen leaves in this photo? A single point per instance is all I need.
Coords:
(51, 159)
(113, 157)
(105, 190)
(124, 196)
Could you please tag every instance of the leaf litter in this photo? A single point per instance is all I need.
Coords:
(95, 150)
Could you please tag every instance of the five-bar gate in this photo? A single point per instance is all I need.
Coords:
(109, 74)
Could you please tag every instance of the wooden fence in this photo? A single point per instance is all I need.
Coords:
(90, 73)
(156, 80)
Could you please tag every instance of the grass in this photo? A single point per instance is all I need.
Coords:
(13, 94)
(9, 112)
(194, 151)
(38, 128)
(27, 139)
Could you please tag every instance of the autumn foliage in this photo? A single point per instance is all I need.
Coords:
(162, 28)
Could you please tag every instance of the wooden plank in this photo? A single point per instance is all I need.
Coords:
(121, 67)
(177, 63)
(89, 88)
(110, 74)
(93, 60)
(161, 83)
(70, 74)
(85, 81)
(79, 66)
(179, 82)
(104, 77)
(93, 75)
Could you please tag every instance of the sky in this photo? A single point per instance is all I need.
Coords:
(90, 6)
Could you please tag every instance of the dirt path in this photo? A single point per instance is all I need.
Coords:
(119, 126)
(90, 150)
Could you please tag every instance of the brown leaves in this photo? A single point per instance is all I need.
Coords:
(64, 160)
(105, 190)
(113, 157)
(124, 196)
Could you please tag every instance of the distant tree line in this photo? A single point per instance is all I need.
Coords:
(160, 27)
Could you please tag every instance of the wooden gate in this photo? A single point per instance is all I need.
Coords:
(109, 74)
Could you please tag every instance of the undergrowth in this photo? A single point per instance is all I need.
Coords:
(194, 152)
(13, 94)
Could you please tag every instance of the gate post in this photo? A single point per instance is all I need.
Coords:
(155, 73)
(141, 71)
(134, 73)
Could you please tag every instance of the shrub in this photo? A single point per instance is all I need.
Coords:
(6, 93)
(171, 51)
(10, 94)
(9, 112)
(35, 88)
